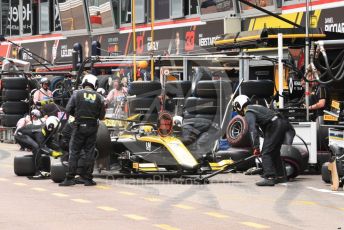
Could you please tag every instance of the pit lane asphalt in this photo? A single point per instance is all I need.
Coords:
(230, 201)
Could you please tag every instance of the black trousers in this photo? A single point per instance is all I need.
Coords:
(28, 142)
(82, 146)
(274, 133)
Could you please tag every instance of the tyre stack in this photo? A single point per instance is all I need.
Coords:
(146, 101)
(177, 91)
(14, 96)
(211, 98)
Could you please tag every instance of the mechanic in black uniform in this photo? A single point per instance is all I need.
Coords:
(319, 100)
(36, 138)
(275, 131)
(87, 106)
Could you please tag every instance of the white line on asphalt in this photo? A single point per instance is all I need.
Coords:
(165, 227)
(3, 179)
(135, 217)
(320, 190)
(81, 201)
(326, 191)
(59, 194)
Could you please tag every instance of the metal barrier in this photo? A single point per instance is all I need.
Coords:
(7, 134)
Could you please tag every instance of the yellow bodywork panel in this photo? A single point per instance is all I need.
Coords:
(178, 150)
(215, 166)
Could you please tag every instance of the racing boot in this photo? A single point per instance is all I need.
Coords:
(40, 175)
(67, 182)
(266, 182)
(89, 182)
(282, 179)
(80, 180)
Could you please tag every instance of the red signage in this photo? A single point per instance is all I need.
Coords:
(189, 40)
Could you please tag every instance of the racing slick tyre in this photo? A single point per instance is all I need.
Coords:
(10, 120)
(104, 82)
(56, 83)
(34, 83)
(145, 88)
(325, 173)
(187, 115)
(14, 95)
(14, 83)
(237, 154)
(24, 165)
(58, 172)
(45, 164)
(258, 88)
(293, 161)
(201, 105)
(322, 138)
(103, 143)
(322, 157)
(15, 107)
(211, 89)
(237, 132)
(178, 88)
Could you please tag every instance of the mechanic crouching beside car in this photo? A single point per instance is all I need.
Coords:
(87, 106)
(276, 131)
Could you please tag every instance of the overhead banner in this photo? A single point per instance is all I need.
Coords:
(176, 41)
(331, 20)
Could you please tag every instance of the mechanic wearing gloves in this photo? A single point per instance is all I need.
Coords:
(87, 106)
(36, 137)
(276, 131)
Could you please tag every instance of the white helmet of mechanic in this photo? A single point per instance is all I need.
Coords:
(36, 113)
(52, 123)
(101, 91)
(90, 80)
(240, 102)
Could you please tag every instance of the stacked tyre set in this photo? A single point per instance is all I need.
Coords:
(14, 97)
(146, 101)
(209, 100)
